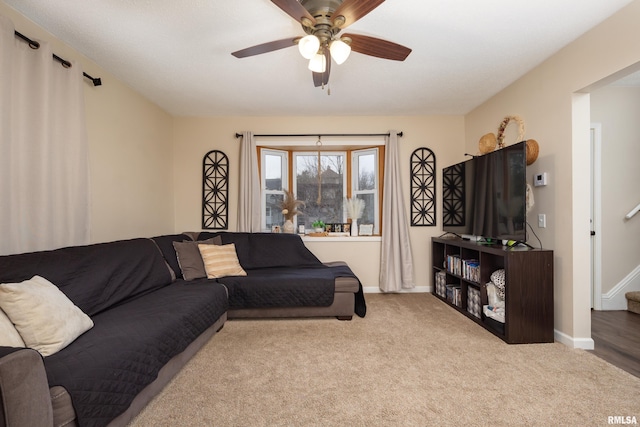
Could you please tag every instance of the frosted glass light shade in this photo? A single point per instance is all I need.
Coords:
(317, 64)
(308, 46)
(339, 51)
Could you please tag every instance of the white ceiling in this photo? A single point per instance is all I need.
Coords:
(178, 53)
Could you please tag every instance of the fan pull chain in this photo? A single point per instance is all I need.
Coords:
(328, 88)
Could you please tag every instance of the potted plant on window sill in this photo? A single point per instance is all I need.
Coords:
(318, 226)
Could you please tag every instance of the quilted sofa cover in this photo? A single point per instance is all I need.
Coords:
(142, 318)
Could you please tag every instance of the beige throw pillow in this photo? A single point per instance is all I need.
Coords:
(221, 261)
(9, 336)
(45, 318)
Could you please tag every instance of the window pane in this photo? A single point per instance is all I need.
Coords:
(273, 172)
(329, 207)
(368, 215)
(273, 210)
(366, 172)
(365, 184)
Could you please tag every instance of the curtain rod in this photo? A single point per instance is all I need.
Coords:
(66, 64)
(238, 135)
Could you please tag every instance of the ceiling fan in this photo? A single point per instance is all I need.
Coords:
(322, 20)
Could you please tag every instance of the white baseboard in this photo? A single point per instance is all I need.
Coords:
(581, 343)
(417, 289)
(614, 299)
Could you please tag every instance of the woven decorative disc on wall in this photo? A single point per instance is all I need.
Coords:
(532, 151)
(491, 142)
(487, 143)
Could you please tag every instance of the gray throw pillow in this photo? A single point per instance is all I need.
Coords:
(189, 258)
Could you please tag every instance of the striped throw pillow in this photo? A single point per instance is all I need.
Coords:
(220, 261)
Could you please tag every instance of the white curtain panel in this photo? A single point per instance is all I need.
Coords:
(396, 260)
(44, 177)
(249, 202)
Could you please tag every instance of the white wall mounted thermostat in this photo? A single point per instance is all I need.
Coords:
(540, 179)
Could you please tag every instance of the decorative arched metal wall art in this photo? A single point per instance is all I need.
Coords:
(423, 187)
(215, 191)
(453, 196)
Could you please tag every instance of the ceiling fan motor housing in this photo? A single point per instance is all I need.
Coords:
(322, 11)
(321, 7)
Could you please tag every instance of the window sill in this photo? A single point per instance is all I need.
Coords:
(342, 239)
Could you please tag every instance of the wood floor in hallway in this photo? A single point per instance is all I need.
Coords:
(616, 336)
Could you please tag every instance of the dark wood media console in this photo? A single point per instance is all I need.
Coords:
(528, 292)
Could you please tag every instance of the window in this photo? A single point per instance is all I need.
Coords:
(323, 197)
(366, 185)
(274, 176)
(322, 180)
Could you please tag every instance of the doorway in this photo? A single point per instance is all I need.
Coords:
(613, 178)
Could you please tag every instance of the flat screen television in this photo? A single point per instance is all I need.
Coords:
(486, 196)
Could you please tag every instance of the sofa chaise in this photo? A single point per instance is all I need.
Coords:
(149, 315)
(331, 289)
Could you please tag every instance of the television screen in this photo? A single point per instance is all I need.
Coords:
(500, 194)
(486, 196)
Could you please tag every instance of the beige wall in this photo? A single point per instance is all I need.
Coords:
(617, 110)
(545, 99)
(146, 166)
(131, 164)
(194, 137)
(130, 148)
(135, 147)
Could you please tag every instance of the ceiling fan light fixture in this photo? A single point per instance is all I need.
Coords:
(339, 51)
(318, 64)
(308, 46)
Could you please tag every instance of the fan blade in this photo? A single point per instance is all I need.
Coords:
(352, 10)
(265, 47)
(294, 9)
(321, 79)
(378, 47)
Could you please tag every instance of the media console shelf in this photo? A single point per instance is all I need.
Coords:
(528, 291)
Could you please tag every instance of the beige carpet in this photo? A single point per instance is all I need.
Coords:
(412, 361)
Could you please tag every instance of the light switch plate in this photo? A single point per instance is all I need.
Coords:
(542, 221)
